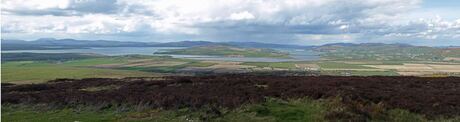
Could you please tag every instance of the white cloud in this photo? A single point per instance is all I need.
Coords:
(241, 16)
(255, 20)
(91, 23)
(34, 4)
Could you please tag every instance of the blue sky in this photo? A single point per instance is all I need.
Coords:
(302, 22)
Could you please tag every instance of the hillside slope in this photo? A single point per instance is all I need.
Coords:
(228, 51)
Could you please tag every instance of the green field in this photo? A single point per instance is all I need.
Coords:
(41, 71)
(46, 56)
(169, 69)
(126, 66)
(221, 50)
(333, 67)
(360, 73)
(452, 52)
(34, 72)
(285, 65)
(39, 68)
(336, 65)
(94, 61)
(381, 52)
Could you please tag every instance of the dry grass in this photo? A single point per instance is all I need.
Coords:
(142, 63)
(420, 69)
(452, 59)
(307, 66)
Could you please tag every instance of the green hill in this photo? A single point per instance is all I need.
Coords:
(378, 51)
(228, 51)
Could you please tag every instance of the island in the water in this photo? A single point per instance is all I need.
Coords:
(228, 51)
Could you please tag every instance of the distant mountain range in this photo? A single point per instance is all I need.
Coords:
(51, 43)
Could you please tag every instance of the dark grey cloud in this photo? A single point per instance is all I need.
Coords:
(279, 21)
(72, 8)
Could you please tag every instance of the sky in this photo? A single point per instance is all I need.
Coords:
(300, 22)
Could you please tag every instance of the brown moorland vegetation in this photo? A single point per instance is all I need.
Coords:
(428, 96)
